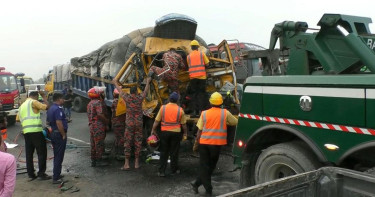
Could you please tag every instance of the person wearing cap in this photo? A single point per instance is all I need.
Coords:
(118, 126)
(197, 62)
(173, 62)
(211, 136)
(172, 118)
(57, 120)
(29, 115)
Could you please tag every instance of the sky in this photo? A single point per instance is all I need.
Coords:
(36, 35)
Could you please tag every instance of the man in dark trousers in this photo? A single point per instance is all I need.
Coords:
(171, 117)
(211, 136)
(29, 115)
(59, 125)
(197, 62)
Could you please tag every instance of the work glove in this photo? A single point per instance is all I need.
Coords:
(195, 147)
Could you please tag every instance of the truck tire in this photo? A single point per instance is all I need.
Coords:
(247, 170)
(79, 104)
(282, 160)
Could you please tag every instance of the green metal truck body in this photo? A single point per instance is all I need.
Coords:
(320, 108)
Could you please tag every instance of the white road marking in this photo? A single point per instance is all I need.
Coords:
(78, 140)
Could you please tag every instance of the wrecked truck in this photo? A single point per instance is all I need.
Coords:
(220, 72)
(129, 58)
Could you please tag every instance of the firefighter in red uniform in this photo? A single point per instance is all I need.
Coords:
(118, 126)
(169, 73)
(171, 117)
(134, 122)
(211, 136)
(197, 73)
(97, 123)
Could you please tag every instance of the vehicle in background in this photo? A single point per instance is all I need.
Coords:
(244, 67)
(316, 109)
(36, 87)
(9, 95)
(26, 81)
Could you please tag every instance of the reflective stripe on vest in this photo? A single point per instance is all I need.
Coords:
(196, 64)
(214, 130)
(4, 134)
(170, 117)
(30, 121)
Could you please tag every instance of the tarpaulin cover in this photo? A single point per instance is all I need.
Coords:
(109, 58)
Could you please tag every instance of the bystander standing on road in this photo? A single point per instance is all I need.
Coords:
(68, 99)
(8, 169)
(134, 122)
(29, 115)
(211, 136)
(57, 120)
(171, 117)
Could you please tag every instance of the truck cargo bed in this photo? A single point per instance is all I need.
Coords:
(324, 182)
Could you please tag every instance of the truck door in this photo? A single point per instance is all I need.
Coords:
(225, 59)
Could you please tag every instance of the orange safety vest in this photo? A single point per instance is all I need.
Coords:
(196, 64)
(4, 134)
(170, 117)
(214, 130)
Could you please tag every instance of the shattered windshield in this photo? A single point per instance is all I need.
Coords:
(7, 83)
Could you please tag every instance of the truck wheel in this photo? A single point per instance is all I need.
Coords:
(247, 170)
(282, 160)
(79, 105)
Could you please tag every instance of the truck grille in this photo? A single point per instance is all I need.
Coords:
(7, 107)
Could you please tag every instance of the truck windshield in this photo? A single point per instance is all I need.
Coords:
(8, 83)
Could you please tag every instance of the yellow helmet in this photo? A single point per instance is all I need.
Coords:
(216, 99)
(194, 43)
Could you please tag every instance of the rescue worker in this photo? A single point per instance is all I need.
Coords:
(171, 117)
(118, 126)
(173, 62)
(29, 115)
(211, 136)
(134, 122)
(59, 124)
(197, 62)
(97, 124)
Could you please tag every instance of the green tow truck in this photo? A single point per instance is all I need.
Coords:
(317, 107)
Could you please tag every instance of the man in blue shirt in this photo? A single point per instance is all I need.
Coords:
(57, 120)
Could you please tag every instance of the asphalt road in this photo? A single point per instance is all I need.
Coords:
(109, 180)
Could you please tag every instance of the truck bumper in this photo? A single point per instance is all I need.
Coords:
(12, 112)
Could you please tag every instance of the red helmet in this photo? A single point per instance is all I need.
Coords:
(153, 141)
(115, 92)
(93, 93)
